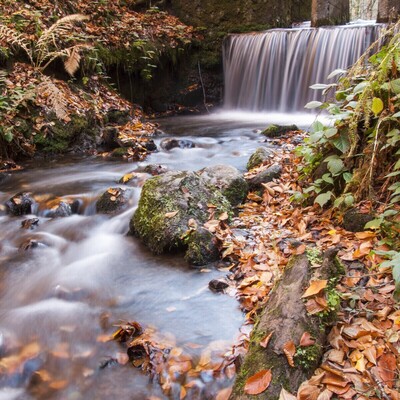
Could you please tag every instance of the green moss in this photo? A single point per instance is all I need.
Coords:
(314, 256)
(307, 357)
(278, 130)
(63, 135)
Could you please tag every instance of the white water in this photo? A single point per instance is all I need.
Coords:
(272, 71)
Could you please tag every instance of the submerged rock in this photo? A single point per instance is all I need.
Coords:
(169, 144)
(170, 205)
(30, 223)
(62, 210)
(113, 200)
(229, 180)
(278, 130)
(20, 204)
(155, 169)
(265, 176)
(258, 157)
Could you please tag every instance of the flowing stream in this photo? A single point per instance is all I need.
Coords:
(59, 299)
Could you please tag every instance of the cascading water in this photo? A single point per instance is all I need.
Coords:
(273, 70)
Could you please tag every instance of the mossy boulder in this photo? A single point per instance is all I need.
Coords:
(202, 247)
(229, 180)
(171, 206)
(258, 157)
(278, 130)
(354, 220)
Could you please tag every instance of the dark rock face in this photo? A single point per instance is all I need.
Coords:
(63, 210)
(265, 176)
(171, 207)
(113, 200)
(169, 144)
(354, 220)
(278, 130)
(229, 180)
(258, 157)
(110, 136)
(20, 204)
(324, 13)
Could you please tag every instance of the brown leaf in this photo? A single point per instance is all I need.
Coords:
(308, 392)
(387, 369)
(325, 395)
(170, 214)
(259, 382)
(300, 249)
(289, 349)
(315, 287)
(306, 340)
(224, 394)
(285, 395)
(264, 342)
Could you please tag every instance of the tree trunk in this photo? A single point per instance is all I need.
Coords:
(286, 317)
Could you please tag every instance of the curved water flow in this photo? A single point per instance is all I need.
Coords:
(58, 299)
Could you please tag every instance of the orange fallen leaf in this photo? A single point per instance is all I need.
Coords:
(264, 342)
(387, 369)
(289, 349)
(308, 392)
(315, 287)
(259, 382)
(306, 340)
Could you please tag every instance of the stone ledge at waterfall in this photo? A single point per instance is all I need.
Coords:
(174, 206)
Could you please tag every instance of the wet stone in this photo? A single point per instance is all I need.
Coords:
(32, 244)
(155, 169)
(113, 200)
(218, 285)
(261, 155)
(265, 176)
(354, 220)
(20, 204)
(63, 210)
(169, 144)
(30, 223)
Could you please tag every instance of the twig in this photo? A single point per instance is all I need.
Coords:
(379, 384)
(202, 86)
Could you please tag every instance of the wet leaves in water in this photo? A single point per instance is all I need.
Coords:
(259, 382)
(127, 331)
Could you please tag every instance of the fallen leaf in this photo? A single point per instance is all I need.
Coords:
(224, 394)
(306, 340)
(387, 369)
(258, 383)
(170, 214)
(264, 342)
(315, 287)
(308, 392)
(285, 395)
(289, 348)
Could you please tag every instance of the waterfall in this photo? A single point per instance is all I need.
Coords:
(273, 70)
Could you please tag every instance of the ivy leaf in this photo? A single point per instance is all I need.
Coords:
(330, 132)
(313, 104)
(336, 72)
(319, 86)
(335, 165)
(374, 224)
(323, 198)
(377, 105)
(342, 143)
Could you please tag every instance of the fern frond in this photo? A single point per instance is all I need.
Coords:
(71, 64)
(55, 98)
(62, 27)
(13, 38)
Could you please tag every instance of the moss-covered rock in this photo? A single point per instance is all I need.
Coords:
(278, 130)
(202, 247)
(168, 203)
(258, 157)
(355, 221)
(80, 132)
(229, 180)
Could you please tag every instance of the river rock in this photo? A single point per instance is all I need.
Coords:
(169, 203)
(278, 130)
(258, 157)
(110, 136)
(117, 116)
(265, 176)
(229, 180)
(155, 169)
(171, 143)
(20, 204)
(113, 200)
(202, 247)
(62, 210)
(30, 223)
(354, 220)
